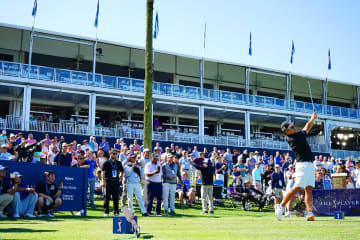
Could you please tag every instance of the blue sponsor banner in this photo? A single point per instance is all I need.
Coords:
(122, 226)
(74, 180)
(327, 202)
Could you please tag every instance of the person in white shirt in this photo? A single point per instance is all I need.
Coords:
(318, 163)
(153, 175)
(356, 174)
(51, 156)
(85, 147)
(330, 165)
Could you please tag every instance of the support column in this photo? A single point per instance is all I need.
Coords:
(324, 92)
(15, 108)
(247, 80)
(327, 135)
(201, 123)
(26, 108)
(92, 112)
(357, 98)
(247, 128)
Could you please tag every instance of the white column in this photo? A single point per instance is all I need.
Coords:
(324, 91)
(247, 78)
(26, 108)
(92, 112)
(201, 123)
(327, 135)
(247, 128)
(357, 98)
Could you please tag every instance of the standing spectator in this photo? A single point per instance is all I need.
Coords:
(289, 174)
(207, 180)
(228, 156)
(256, 174)
(136, 146)
(257, 156)
(30, 139)
(117, 146)
(318, 163)
(63, 158)
(133, 176)
(277, 184)
(219, 169)
(110, 175)
(356, 174)
(104, 146)
(48, 195)
(265, 158)
(195, 153)
(144, 160)
(251, 162)
(10, 147)
(91, 175)
(25, 198)
(18, 138)
(153, 184)
(170, 171)
(4, 155)
(6, 193)
(185, 165)
(278, 160)
(51, 156)
(47, 140)
(123, 154)
(330, 165)
(3, 138)
(286, 164)
(101, 159)
(44, 152)
(267, 176)
(12, 139)
(53, 145)
(85, 147)
(241, 166)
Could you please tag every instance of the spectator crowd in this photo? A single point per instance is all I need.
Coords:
(120, 171)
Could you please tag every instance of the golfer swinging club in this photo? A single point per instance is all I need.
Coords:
(305, 170)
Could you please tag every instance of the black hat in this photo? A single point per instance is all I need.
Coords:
(286, 125)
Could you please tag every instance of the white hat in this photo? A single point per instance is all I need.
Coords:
(2, 168)
(15, 174)
(3, 146)
(3, 132)
(146, 150)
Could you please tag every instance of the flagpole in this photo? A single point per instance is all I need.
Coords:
(32, 37)
(202, 66)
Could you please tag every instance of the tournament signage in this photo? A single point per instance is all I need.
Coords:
(74, 180)
(327, 202)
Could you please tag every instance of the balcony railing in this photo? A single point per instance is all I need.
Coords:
(131, 84)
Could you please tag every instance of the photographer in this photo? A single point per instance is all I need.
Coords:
(48, 194)
(25, 151)
(24, 200)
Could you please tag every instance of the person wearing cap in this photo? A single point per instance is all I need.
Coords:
(277, 183)
(305, 170)
(133, 176)
(63, 158)
(91, 164)
(4, 155)
(266, 176)
(112, 172)
(25, 198)
(6, 193)
(118, 145)
(153, 176)
(171, 172)
(207, 169)
(330, 164)
(356, 174)
(248, 192)
(289, 174)
(3, 138)
(145, 159)
(48, 195)
(165, 154)
(85, 146)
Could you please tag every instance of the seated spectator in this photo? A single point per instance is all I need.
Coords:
(6, 193)
(319, 184)
(48, 195)
(185, 191)
(4, 155)
(236, 174)
(25, 198)
(44, 152)
(63, 158)
(51, 156)
(248, 192)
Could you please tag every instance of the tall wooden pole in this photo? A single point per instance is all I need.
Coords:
(148, 124)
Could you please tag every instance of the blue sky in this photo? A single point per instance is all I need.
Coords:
(314, 26)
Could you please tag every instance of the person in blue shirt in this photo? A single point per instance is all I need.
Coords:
(24, 200)
(4, 155)
(265, 158)
(251, 163)
(104, 146)
(277, 184)
(278, 159)
(185, 165)
(91, 163)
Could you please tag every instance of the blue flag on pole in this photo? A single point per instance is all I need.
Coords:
(97, 15)
(205, 36)
(329, 61)
(34, 9)
(292, 52)
(250, 46)
(156, 27)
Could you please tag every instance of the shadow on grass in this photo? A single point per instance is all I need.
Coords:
(25, 230)
(146, 236)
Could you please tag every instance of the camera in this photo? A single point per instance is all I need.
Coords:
(47, 202)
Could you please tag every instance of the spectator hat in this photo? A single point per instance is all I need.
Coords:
(247, 181)
(121, 139)
(291, 166)
(2, 168)
(49, 172)
(79, 145)
(256, 151)
(3, 132)
(15, 174)
(146, 150)
(167, 148)
(277, 165)
(113, 152)
(132, 155)
(155, 156)
(12, 135)
(156, 148)
(131, 146)
(4, 146)
(170, 154)
(84, 141)
(286, 125)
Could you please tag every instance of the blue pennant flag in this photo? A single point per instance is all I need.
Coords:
(292, 52)
(205, 36)
(250, 46)
(156, 27)
(34, 9)
(97, 15)
(329, 61)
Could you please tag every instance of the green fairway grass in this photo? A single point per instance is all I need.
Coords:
(226, 223)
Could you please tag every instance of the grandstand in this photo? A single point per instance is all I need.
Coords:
(239, 105)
